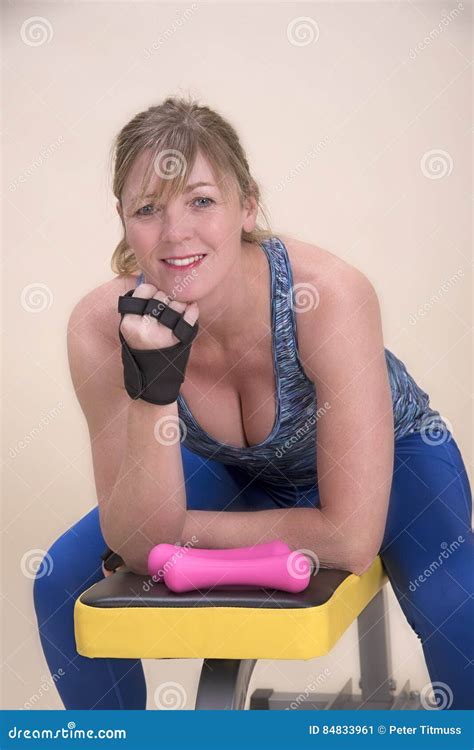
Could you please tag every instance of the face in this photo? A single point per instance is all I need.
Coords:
(200, 221)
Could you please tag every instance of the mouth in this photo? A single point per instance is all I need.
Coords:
(187, 261)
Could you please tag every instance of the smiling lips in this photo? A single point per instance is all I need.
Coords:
(188, 262)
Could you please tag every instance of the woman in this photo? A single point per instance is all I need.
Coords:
(279, 321)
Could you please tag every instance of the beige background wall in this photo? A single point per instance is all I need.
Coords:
(357, 126)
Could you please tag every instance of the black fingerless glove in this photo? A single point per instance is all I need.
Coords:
(111, 559)
(155, 375)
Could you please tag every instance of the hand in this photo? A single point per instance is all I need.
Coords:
(146, 332)
(110, 572)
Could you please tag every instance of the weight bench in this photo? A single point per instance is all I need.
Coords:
(128, 616)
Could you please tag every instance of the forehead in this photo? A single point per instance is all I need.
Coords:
(200, 172)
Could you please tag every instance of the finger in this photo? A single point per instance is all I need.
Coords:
(192, 313)
(174, 304)
(191, 310)
(145, 291)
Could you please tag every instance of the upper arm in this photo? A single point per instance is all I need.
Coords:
(96, 372)
(345, 358)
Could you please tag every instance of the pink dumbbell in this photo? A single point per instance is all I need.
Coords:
(289, 571)
(162, 554)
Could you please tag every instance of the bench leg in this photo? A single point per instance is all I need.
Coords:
(224, 683)
(375, 661)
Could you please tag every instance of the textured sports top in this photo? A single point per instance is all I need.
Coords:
(288, 454)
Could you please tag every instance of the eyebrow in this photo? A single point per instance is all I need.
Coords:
(186, 190)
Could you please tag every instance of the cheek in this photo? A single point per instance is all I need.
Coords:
(141, 235)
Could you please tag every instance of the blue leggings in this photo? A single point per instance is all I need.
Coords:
(427, 552)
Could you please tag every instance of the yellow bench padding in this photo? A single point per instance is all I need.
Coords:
(225, 632)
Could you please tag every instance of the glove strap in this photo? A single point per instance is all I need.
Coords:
(170, 318)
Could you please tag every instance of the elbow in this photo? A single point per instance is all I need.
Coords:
(361, 563)
(364, 554)
(133, 550)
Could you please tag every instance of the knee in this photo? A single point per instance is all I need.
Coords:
(63, 574)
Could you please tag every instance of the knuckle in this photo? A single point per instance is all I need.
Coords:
(144, 289)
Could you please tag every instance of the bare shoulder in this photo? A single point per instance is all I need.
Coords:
(330, 274)
(332, 292)
(96, 313)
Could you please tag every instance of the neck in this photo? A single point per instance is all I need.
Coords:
(226, 313)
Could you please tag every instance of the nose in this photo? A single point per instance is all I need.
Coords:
(175, 226)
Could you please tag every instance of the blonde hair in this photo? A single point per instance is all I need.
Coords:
(173, 132)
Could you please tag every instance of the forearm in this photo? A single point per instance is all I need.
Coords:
(300, 528)
(148, 503)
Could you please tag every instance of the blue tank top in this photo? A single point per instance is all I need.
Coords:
(288, 454)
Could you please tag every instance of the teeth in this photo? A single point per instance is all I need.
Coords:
(184, 261)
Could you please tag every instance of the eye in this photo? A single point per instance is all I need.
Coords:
(140, 210)
(203, 198)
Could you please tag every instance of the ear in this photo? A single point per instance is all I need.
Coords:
(250, 211)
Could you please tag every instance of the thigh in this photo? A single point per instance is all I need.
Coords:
(72, 563)
(428, 542)
(213, 485)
